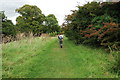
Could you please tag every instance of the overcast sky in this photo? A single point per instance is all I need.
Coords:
(59, 8)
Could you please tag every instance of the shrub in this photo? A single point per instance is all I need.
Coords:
(107, 35)
(53, 33)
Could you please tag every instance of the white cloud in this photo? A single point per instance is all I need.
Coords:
(59, 8)
(13, 18)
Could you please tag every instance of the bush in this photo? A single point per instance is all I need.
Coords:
(94, 24)
(107, 35)
(53, 33)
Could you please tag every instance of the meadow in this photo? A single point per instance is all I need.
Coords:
(43, 58)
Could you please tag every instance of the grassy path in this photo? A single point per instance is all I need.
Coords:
(32, 59)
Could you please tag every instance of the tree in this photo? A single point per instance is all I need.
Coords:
(30, 20)
(51, 24)
(8, 28)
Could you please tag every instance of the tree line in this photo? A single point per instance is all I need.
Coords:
(31, 20)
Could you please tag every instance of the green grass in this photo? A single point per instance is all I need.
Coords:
(42, 58)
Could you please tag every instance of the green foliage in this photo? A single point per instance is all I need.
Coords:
(112, 10)
(53, 33)
(99, 20)
(82, 27)
(8, 28)
(51, 24)
(31, 19)
(79, 20)
(106, 35)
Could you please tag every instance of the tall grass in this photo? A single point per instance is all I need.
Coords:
(18, 52)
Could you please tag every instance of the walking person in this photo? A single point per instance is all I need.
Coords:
(60, 37)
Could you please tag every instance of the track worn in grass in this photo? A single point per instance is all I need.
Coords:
(38, 58)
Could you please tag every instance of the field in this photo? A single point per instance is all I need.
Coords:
(43, 58)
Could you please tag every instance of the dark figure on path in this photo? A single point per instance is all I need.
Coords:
(60, 37)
